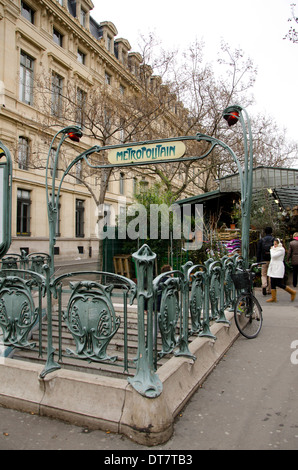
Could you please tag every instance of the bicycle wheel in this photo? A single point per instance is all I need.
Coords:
(248, 316)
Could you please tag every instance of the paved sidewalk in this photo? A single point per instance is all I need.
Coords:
(249, 401)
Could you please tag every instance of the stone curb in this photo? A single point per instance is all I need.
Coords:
(112, 404)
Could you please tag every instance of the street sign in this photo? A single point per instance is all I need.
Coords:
(160, 151)
(5, 199)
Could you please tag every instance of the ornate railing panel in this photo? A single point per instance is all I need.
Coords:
(197, 299)
(200, 300)
(228, 285)
(214, 271)
(34, 261)
(86, 308)
(91, 319)
(18, 312)
(12, 261)
(145, 381)
(168, 292)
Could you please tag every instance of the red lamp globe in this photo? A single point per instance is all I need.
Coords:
(75, 136)
(232, 117)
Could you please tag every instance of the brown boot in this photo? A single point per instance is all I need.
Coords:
(273, 296)
(292, 292)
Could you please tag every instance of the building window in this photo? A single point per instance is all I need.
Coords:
(60, 2)
(27, 12)
(57, 37)
(107, 212)
(124, 58)
(109, 43)
(57, 89)
(107, 121)
(81, 104)
(143, 184)
(108, 78)
(121, 184)
(23, 153)
(23, 212)
(122, 131)
(52, 161)
(26, 78)
(72, 7)
(81, 57)
(79, 173)
(83, 18)
(79, 218)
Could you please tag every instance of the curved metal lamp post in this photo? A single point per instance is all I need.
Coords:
(52, 202)
(74, 133)
(232, 115)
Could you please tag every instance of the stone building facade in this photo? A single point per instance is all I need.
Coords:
(53, 56)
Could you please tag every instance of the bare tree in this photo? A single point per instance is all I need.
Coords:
(206, 95)
(292, 34)
(173, 96)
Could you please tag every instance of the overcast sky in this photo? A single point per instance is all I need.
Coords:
(256, 26)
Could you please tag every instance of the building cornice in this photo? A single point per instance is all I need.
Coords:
(62, 16)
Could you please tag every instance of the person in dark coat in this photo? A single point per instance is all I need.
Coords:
(293, 257)
(263, 255)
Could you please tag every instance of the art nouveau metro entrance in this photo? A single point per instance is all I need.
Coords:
(79, 316)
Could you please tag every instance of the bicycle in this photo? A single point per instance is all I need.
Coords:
(247, 312)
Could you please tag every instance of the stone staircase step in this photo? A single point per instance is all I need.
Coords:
(71, 362)
(115, 348)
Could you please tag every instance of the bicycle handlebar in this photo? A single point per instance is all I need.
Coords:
(255, 264)
(248, 270)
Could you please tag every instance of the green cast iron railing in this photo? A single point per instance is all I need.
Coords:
(183, 306)
(21, 294)
(33, 261)
(171, 308)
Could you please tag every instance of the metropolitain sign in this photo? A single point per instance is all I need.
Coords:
(161, 151)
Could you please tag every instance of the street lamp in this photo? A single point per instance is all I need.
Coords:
(232, 117)
(234, 114)
(75, 136)
(74, 133)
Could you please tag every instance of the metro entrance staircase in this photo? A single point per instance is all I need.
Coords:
(115, 349)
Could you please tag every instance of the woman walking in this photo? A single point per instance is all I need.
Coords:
(276, 270)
